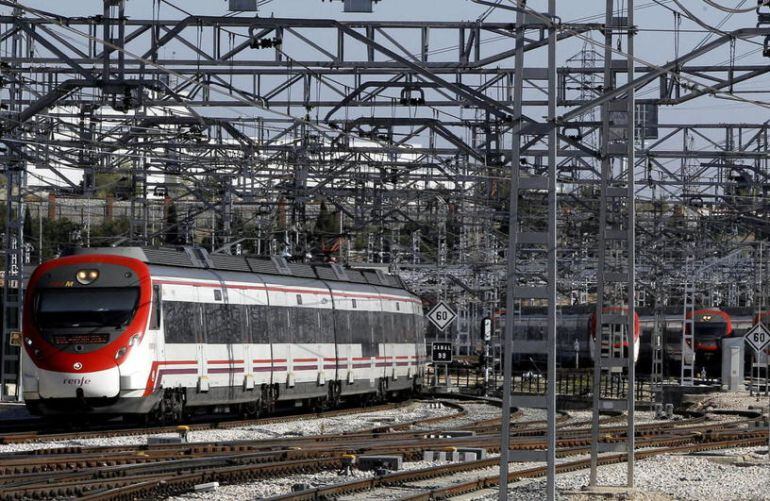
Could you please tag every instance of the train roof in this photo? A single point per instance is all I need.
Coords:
(195, 257)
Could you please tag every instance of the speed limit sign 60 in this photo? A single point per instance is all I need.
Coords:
(758, 337)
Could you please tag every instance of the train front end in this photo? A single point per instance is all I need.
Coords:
(711, 325)
(84, 336)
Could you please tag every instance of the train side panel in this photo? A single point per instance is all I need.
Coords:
(302, 336)
(399, 333)
(355, 308)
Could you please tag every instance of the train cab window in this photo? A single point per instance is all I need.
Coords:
(74, 308)
(710, 330)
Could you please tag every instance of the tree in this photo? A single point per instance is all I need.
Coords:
(325, 224)
(172, 234)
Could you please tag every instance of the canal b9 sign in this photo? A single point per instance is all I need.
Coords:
(442, 353)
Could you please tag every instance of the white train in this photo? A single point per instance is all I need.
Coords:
(157, 332)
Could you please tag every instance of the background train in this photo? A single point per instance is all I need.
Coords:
(615, 343)
(574, 335)
(163, 333)
(710, 326)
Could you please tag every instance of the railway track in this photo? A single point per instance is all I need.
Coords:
(10, 433)
(493, 481)
(125, 472)
(77, 471)
(403, 479)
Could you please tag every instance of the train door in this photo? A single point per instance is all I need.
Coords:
(343, 313)
(411, 339)
(259, 357)
(200, 341)
(278, 318)
(327, 340)
(179, 351)
(386, 356)
(335, 322)
(156, 327)
(304, 342)
(418, 331)
(310, 346)
(248, 357)
(224, 318)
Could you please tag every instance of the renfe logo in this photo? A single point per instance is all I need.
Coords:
(76, 381)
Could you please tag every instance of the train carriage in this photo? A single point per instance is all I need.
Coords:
(620, 349)
(134, 331)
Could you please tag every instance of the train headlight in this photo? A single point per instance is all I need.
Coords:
(707, 317)
(120, 353)
(134, 340)
(86, 277)
(28, 341)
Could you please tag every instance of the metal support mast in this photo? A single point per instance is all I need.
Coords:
(532, 261)
(511, 278)
(615, 306)
(688, 325)
(13, 285)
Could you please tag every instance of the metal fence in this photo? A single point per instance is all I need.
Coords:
(569, 382)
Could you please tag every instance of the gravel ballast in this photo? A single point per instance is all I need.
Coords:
(295, 428)
(738, 474)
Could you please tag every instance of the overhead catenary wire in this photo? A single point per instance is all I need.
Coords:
(245, 99)
(678, 75)
(736, 10)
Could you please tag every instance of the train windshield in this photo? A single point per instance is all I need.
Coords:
(73, 308)
(710, 330)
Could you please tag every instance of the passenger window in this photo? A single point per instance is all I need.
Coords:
(155, 311)
(222, 323)
(299, 299)
(258, 323)
(182, 322)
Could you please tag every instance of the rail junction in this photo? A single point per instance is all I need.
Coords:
(578, 194)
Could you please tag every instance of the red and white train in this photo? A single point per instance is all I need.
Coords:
(161, 333)
(711, 325)
(621, 334)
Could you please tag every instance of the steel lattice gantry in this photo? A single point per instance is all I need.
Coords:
(401, 137)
